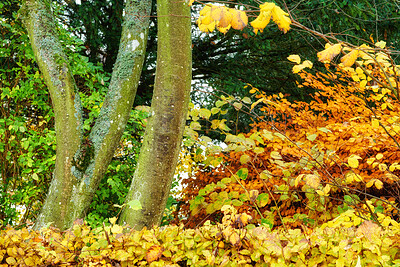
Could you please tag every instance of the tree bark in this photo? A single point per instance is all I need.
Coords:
(82, 162)
(162, 141)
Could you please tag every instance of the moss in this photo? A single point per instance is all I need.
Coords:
(83, 157)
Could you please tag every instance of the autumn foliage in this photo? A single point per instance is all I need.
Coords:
(305, 163)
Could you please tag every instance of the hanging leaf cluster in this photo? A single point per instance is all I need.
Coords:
(223, 18)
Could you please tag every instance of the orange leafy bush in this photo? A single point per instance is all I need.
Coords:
(307, 162)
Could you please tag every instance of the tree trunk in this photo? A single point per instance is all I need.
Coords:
(162, 141)
(81, 163)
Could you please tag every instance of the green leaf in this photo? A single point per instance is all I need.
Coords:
(215, 110)
(325, 130)
(226, 180)
(35, 177)
(262, 200)
(205, 113)
(242, 173)
(244, 159)
(237, 105)
(237, 203)
(220, 103)
(267, 223)
(312, 137)
(135, 204)
(198, 200)
(246, 100)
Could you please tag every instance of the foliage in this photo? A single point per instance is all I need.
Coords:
(235, 241)
(304, 163)
(115, 184)
(27, 145)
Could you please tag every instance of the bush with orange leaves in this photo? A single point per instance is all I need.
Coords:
(304, 163)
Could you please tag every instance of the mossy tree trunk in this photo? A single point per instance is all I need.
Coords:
(159, 153)
(82, 162)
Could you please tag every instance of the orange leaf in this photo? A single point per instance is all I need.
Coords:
(154, 253)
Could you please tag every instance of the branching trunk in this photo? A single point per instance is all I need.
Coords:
(81, 163)
(159, 153)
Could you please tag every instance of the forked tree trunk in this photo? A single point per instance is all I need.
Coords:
(81, 163)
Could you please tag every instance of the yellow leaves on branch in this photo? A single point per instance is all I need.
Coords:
(349, 59)
(296, 59)
(329, 53)
(224, 18)
(268, 11)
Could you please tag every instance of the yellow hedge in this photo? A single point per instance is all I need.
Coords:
(345, 241)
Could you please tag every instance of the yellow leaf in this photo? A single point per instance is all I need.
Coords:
(224, 30)
(325, 191)
(381, 44)
(281, 18)
(329, 53)
(298, 179)
(191, 2)
(382, 167)
(256, 103)
(11, 261)
(349, 59)
(307, 64)
(379, 156)
(260, 22)
(234, 238)
(244, 159)
(239, 19)
(222, 15)
(217, 12)
(378, 184)
(351, 176)
(370, 183)
(294, 58)
(375, 123)
(353, 162)
(207, 27)
(267, 7)
(276, 155)
(205, 15)
(393, 167)
(112, 220)
(116, 229)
